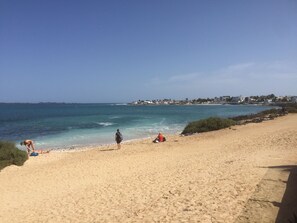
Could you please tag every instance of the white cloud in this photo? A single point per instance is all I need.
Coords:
(249, 78)
(238, 67)
(185, 77)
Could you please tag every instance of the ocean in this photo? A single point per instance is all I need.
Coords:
(65, 126)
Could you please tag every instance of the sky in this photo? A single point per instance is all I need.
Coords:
(90, 51)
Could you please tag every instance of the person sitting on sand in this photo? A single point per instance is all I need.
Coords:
(29, 145)
(160, 138)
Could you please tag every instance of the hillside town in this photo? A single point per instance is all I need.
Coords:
(270, 99)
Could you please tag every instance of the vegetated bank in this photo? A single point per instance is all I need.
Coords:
(288, 107)
(216, 123)
(11, 155)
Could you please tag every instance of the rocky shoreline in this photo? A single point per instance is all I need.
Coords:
(259, 117)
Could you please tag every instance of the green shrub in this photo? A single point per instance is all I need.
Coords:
(11, 155)
(209, 124)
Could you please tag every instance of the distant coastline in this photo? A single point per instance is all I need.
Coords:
(270, 99)
(223, 100)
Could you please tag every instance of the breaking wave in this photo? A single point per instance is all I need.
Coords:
(105, 124)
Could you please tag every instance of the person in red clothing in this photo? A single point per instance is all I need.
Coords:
(160, 138)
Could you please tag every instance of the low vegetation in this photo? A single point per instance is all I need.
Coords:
(206, 125)
(11, 155)
(290, 107)
(215, 123)
(259, 117)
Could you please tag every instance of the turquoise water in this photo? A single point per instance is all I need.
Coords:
(60, 126)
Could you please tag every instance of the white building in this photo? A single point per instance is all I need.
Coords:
(237, 99)
(294, 99)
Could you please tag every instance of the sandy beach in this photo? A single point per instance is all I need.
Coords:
(242, 174)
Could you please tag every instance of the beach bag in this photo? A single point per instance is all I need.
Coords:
(34, 154)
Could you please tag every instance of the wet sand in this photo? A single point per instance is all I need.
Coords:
(242, 174)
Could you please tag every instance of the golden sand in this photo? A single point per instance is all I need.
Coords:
(230, 175)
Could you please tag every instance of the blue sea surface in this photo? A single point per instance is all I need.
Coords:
(62, 126)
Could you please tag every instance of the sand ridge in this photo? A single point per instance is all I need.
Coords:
(210, 177)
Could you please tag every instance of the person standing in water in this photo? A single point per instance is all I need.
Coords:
(118, 138)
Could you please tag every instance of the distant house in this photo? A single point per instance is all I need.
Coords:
(268, 101)
(136, 102)
(251, 100)
(294, 99)
(237, 99)
(217, 100)
(225, 98)
(148, 102)
(279, 98)
(247, 100)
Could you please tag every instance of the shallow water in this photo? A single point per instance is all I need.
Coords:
(73, 125)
